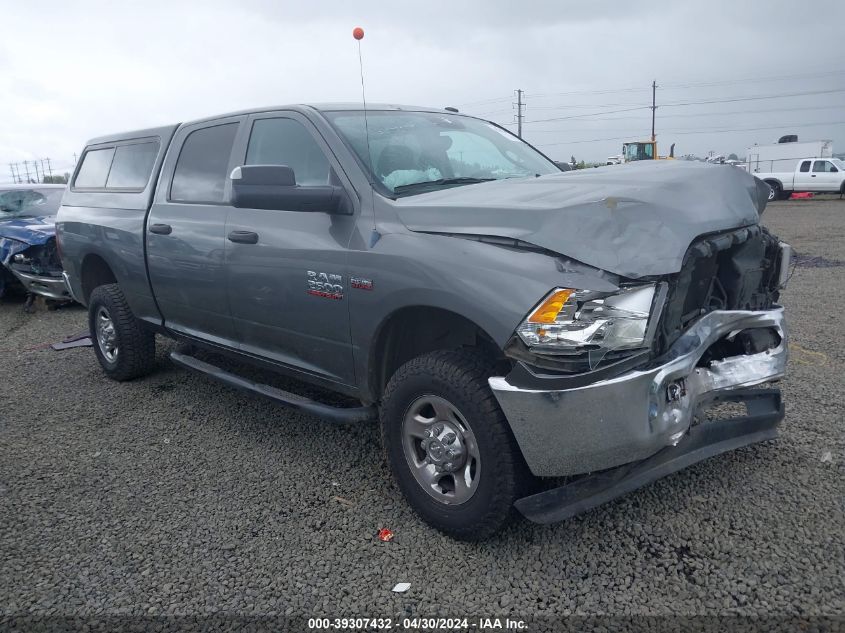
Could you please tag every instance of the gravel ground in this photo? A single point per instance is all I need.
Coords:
(173, 495)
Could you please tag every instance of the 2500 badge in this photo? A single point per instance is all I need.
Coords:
(326, 285)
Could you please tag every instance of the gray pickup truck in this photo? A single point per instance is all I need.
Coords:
(509, 324)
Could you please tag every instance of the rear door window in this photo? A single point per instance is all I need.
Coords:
(132, 166)
(202, 167)
(805, 166)
(94, 169)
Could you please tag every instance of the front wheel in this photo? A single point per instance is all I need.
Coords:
(125, 349)
(449, 445)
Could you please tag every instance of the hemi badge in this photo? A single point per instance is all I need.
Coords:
(361, 283)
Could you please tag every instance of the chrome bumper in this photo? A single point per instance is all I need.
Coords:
(69, 287)
(46, 286)
(631, 417)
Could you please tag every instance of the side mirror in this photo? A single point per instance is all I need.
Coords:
(274, 187)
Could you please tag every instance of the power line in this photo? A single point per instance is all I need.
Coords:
(670, 85)
(747, 129)
(731, 82)
(690, 103)
(710, 114)
(756, 98)
(487, 101)
(588, 105)
(589, 114)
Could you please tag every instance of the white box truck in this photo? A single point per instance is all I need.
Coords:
(777, 164)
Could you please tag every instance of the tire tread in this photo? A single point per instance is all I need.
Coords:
(136, 345)
(467, 371)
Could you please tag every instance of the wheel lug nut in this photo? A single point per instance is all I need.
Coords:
(448, 466)
(449, 438)
(437, 429)
(452, 453)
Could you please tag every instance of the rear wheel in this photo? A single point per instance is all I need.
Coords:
(775, 190)
(449, 445)
(125, 349)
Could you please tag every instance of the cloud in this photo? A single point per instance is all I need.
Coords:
(72, 71)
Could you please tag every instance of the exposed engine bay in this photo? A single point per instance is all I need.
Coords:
(736, 270)
(741, 269)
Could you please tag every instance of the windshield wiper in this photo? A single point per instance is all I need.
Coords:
(439, 182)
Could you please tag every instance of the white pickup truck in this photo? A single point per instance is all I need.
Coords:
(816, 175)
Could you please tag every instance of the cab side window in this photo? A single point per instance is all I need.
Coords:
(805, 166)
(287, 142)
(202, 166)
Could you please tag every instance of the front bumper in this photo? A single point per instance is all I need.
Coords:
(44, 285)
(631, 417)
(765, 412)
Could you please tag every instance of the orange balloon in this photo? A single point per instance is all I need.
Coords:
(358, 33)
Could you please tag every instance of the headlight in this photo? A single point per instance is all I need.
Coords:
(574, 321)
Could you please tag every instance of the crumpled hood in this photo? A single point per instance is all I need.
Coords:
(633, 220)
(30, 230)
(18, 234)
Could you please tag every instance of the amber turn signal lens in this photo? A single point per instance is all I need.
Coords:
(547, 311)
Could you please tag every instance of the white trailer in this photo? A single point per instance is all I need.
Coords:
(784, 157)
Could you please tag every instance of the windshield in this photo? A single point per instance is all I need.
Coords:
(30, 202)
(414, 152)
(638, 151)
(840, 164)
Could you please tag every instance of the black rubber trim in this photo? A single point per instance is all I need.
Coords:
(523, 377)
(701, 442)
(340, 415)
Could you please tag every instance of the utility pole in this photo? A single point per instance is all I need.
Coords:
(653, 107)
(49, 167)
(519, 105)
(37, 177)
(26, 169)
(12, 169)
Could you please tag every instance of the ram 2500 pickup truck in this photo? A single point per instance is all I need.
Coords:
(509, 324)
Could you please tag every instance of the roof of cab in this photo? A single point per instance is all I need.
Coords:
(324, 107)
(164, 131)
(167, 130)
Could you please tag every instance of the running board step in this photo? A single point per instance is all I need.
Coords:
(340, 415)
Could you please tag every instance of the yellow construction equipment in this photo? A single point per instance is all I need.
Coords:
(644, 150)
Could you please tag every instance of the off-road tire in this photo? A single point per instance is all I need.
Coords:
(461, 378)
(135, 344)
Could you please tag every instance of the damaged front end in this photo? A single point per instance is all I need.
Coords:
(713, 334)
(36, 267)
(28, 249)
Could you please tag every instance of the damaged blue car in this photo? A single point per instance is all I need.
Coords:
(28, 250)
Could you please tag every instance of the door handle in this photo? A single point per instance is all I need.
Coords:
(812, 175)
(161, 229)
(243, 237)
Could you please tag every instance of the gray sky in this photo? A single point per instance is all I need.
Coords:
(76, 69)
